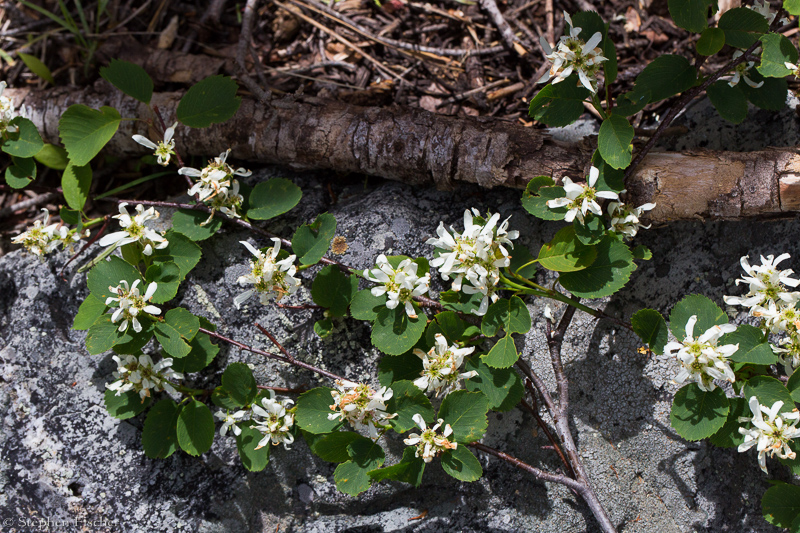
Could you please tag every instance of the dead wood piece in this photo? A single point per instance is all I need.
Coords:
(418, 147)
(162, 65)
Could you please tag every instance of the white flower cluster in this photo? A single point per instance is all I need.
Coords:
(476, 255)
(7, 112)
(401, 285)
(229, 421)
(770, 436)
(41, 238)
(270, 276)
(702, 360)
(625, 219)
(769, 299)
(741, 70)
(130, 303)
(216, 185)
(581, 199)
(440, 366)
(574, 55)
(141, 375)
(165, 149)
(134, 230)
(361, 405)
(763, 9)
(277, 421)
(430, 443)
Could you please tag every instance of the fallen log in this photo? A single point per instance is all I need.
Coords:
(418, 147)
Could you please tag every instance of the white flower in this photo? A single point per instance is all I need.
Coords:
(270, 277)
(7, 113)
(702, 360)
(740, 71)
(430, 443)
(581, 199)
(794, 68)
(789, 352)
(764, 10)
(140, 374)
(361, 405)
(277, 424)
(40, 239)
(772, 435)
(625, 219)
(134, 230)
(401, 285)
(766, 284)
(440, 366)
(229, 421)
(216, 177)
(548, 313)
(164, 149)
(476, 255)
(228, 201)
(573, 55)
(130, 303)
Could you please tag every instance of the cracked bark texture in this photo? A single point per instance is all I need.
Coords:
(418, 148)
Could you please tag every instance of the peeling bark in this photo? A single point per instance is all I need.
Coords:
(418, 147)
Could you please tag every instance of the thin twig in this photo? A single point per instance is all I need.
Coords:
(245, 39)
(490, 6)
(537, 473)
(556, 445)
(274, 341)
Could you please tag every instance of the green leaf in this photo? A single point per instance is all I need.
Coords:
(781, 504)
(85, 131)
(21, 172)
(313, 408)
(407, 400)
(466, 414)
(511, 315)
(502, 386)
(666, 76)
(395, 368)
(449, 324)
(90, 310)
(608, 177)
(195, 428)
(521, 262)
(394, 332)
(334, 289)
(565, 253)
(753, 347)
(730, 102)
(708, 314)
(167, 276)
(183, 321)
(132, 343)
(610, 65)
(711, 41)
(107, 275)
(503, 354)
(70, 216)
(272, 198)
(792, 7)
(311, 241)
(202, 353)
(537, 193)
(697, 414)
(770, 96)
(460, 301)
(614, 141)
(126, 405)
(189, 222)
(742, 26)
(769, 390)
(323, 327)
(729, 436)
(333, 447)
(352, 477)
(103, 335)
(642, 252)
(776, 50)
(607, 274)
(462, 464)
(52, 156)
(37, 67)
(651, 328)
(239, 383)
(255, 460)
(170, 339)
(590, 23)
(591, 230)
(630, 103)
(24, 143)
(210, 101)
(365, 306)
(75, 183)
(181, 251)
(559, 105)
(793, 386)
(408, 470)
(159, 435)
(129, 78)
(221, 398)
(690, 15)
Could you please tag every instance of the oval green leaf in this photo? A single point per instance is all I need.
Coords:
(210, 101)
(272, 198)
(195, 428)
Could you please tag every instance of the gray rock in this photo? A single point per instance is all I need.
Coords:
(63, 459)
